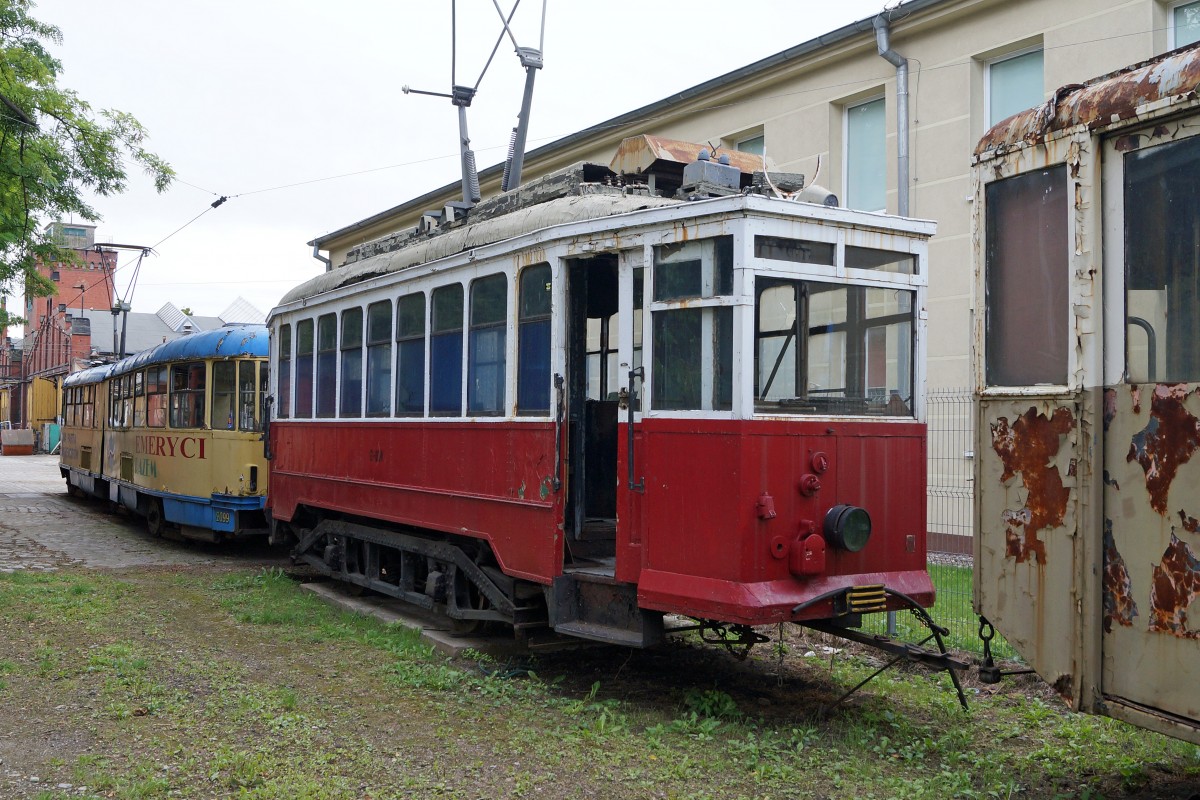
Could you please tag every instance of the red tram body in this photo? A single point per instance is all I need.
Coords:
(464, 419)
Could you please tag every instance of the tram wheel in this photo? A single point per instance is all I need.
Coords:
(155, 522)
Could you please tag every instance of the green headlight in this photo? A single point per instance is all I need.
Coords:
(848, 527)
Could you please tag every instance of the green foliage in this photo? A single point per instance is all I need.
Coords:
(54, 150)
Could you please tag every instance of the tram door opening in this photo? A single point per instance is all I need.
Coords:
(592, 335)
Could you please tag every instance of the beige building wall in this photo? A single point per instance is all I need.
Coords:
(799, 104)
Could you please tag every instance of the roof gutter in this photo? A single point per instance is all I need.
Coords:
(884, 46)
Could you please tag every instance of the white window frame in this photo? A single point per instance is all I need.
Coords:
(987, 79)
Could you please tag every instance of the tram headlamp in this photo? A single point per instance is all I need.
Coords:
(848, 527)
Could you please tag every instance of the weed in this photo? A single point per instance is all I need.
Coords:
(711, 703)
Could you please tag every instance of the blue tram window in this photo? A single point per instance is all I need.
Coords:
(445, 351)
(285, 371)
(410, 355)
(304, 368)
(352, 363)
(485, 367)
(326, 364)
(379, 359)
(533, 341)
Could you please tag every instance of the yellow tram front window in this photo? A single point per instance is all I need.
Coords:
(223, 396)
(187, 395)
(247, 397)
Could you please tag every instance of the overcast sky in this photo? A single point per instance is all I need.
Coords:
(266, 102)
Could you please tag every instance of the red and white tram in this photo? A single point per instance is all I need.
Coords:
(588, 411)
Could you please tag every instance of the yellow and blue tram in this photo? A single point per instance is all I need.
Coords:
(175, 434)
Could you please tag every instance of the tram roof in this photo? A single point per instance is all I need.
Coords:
(232, 341)
(1100, 103)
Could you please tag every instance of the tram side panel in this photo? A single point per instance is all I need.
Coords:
(82, 452)
(492, 481)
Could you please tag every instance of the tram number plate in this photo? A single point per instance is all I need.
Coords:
(221, 516)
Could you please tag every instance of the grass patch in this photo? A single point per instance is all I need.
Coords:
(240, 685)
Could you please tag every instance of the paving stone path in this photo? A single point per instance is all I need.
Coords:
(43, 528)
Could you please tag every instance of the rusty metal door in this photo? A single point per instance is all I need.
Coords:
(1151, 536)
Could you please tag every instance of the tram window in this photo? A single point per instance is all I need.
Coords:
(187, 395)
(880, 260)
(1027, 305)
(247, 397)
(139, 399)
(264, 388)
(156, 397)
(410, 355)
(445, 351)
(823, 348)
(379, 359)
(224, 394)
(326, 365)
(1162, 238)
(304, 368)
(693, 359)
(487, 343)
(352, 363)
(126, 400)
(533, 341)
(285, 371)
(797, 251)
(701, 268)
(639, 285)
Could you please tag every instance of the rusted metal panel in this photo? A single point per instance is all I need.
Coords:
(1166, 443)
(1100, 103)
(638, 153)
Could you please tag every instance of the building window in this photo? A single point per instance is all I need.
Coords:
(410, 355)
(533, 341)
(485, 363)
(285, 371)
(304, 368)
(866, 156)
(752, 144)
(445, 351)
(379, 359)
(326, 364)
(352, 363)
(1014, 83)
(1185, 24)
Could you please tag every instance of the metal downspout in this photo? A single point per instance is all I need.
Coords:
(317, 255)
(883, 44)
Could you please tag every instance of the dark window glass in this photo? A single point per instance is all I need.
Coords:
(445, 351)
(352, 363)
(304, 368)
(533, 339)
(410, 355)
(326, 365)
(880, 260)
(485, 365)
(379, 359)
(187, 395)
(693, 358)
(156, 397)
(285, 372)
(701, 268)
(224, 395)
(1162, 240)
(795, 250)
(248, 419)
(1027, 306)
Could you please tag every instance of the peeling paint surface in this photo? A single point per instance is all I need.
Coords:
(1028, 448)
(1166, 443)
(1190, 524)
(1119, 605)
(1176, 582)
